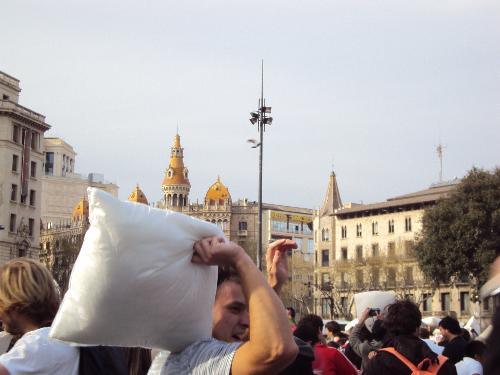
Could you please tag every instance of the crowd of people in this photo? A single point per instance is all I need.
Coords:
(252, 332)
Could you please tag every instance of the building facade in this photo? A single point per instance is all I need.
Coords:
(21, 160)
(62, 187)
(371, 248)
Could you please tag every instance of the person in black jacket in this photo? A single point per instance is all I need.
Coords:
(402, 321)
(455, 345)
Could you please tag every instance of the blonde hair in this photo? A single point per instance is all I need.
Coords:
(27, 287)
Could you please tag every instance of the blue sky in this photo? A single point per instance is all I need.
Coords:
(370, 86)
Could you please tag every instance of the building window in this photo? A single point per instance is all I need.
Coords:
(325, 307)
(409, 248)
(375, 228)
(343, 253)
(359, 279)
(15, 162)
(344, 231)
(409, 275)
(242, 225)
(23, 198)
(445, 302)
(359, 230)
(13, 193)
(32, 198)
(31, 227)
(391, 249)
(408, 224)
(15, 134)
(33, 169)
(426, 302)
(310, 246)
(486, 304)
(325, 279)
(375, 250)
(464, 302)
(375, 277)
(324, 258)
(359, 252)
(327, 235)
(391, 277)
(391, 226)
(34, 140)
(49, 163)
(12, 223)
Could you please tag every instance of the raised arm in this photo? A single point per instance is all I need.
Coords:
(271, 347)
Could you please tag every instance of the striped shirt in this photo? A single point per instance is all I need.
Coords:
(204, 357)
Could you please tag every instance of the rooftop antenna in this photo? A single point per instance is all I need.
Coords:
(439, 151)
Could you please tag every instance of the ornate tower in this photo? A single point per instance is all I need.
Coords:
(176, 184)
(138, 196)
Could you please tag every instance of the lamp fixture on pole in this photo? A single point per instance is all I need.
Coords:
(260, 118)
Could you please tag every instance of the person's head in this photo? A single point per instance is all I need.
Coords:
(402, 318)
(333, 328)
(424, 333)
(291, 313)
(475, 349)
(378, 330)
(29, 298)
(314, 321)
(307, 332)
(230, 319)
(449, 328)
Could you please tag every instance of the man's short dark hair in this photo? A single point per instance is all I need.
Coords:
(424, 333)
(474, 348)
(307, 332)
(292, 311)
(312, 320)
(402, 318)
(333, 327)
(227, 274)
(451, 325)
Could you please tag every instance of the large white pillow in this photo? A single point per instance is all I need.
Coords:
(133, 283)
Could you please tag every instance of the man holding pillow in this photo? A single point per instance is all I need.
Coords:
(243, 298)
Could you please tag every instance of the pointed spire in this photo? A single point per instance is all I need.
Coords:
(332, 200)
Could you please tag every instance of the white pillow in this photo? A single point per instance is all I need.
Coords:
(376, 300)
(133, 283)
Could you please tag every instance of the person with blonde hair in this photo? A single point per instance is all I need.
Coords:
(29, 300)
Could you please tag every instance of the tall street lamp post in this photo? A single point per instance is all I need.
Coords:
(261, 118)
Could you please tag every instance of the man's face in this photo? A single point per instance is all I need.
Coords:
(230, 313)
(445, 333)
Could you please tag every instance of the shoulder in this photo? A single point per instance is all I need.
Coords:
(205, 356)
(36, 351)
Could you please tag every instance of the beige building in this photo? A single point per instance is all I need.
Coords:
(371, 248)
(62, 188)
(21, 160)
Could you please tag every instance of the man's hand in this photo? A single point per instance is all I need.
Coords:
(277, 263)
(215, 251)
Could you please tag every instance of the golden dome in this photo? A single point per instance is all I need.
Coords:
(81, 210)
(138, 196)
(176, 173)
(218, 192)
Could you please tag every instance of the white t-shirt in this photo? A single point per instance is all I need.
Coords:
(434, 347)
(469, 366)
(36, 353)
(204, 357)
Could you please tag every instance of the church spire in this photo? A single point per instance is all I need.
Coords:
(332, 198)
(176, 184)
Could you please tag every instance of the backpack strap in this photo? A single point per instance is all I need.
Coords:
(401, 357)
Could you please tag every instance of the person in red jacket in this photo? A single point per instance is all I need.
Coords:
(328, 360)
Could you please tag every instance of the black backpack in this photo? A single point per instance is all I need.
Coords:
(102, 360)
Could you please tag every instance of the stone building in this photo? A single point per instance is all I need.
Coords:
(371, 248)
(62, 187)
(21, 160)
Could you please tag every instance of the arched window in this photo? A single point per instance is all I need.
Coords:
(174, 200)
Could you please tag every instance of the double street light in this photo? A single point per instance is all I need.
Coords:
(261, 118)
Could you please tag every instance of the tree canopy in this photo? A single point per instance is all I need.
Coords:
(460, 235)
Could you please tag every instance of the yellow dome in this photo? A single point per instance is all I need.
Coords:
(217, 193)
(138, 196)
(81, 210)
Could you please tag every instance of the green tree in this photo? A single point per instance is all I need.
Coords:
(460, 236)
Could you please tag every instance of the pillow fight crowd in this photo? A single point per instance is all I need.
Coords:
(252, 332)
